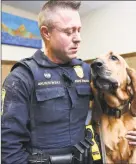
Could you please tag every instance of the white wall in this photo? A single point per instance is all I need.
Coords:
(110, 28)
(16, 53)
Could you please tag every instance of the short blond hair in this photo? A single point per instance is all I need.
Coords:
(45, 16)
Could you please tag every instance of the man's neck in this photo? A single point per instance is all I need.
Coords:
(54, 59)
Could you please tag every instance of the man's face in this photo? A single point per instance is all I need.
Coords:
(65, 36)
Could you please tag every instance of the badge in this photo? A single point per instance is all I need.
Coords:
(47, 75)
(79, 71)
(3, 97)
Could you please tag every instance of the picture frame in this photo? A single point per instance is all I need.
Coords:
(20, 31)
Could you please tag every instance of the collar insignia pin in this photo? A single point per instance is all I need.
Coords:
(47, 75)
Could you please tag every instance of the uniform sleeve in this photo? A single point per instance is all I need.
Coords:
(15, 134)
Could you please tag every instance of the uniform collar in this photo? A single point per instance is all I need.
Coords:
(43, 60)
(75, 62)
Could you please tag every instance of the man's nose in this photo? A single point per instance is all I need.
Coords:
(77, 38)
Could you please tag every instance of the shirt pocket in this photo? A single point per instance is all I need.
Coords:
(45, 94)
(52, 104)
(83, 90)
(83, 96)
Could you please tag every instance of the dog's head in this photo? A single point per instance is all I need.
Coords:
(110, 78)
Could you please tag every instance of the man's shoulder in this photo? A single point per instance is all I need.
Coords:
(23, 63)
(20, 72)
(21, 66)
(86, 65)
(27, 62)
(82, 61)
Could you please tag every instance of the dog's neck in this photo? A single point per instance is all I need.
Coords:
(118, 109)
(115, 112)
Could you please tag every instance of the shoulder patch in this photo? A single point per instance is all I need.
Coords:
(79, 71)
(3, 98)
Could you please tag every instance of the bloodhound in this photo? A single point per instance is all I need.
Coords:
(116, 111)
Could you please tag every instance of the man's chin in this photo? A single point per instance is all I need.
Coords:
(72, 55)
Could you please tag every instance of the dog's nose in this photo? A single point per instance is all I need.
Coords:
(98, 63)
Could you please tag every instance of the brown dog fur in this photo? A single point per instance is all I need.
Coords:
(114, 129)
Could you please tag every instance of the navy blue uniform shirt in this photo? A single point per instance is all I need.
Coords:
(54, 97)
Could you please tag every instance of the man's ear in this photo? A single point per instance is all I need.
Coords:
(45, 32)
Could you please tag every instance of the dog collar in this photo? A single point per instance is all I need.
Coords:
(113, 112)
(116, 112)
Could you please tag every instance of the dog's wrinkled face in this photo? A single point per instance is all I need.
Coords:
(109, 76)
(109, 72)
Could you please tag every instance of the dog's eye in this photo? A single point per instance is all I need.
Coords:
(114, 57)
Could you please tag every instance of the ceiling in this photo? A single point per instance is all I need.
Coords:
(35, 6)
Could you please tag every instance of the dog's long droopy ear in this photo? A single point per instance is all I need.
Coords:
(132, 74)
(129, 83)
(128, 78)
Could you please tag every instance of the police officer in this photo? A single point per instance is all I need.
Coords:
(46, 97)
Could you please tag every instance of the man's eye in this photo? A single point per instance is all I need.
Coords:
(114, 57)
(69, 32)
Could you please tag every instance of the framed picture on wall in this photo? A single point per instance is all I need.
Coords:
(20, 31)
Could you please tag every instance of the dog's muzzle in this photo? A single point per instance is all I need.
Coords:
(101, 76)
